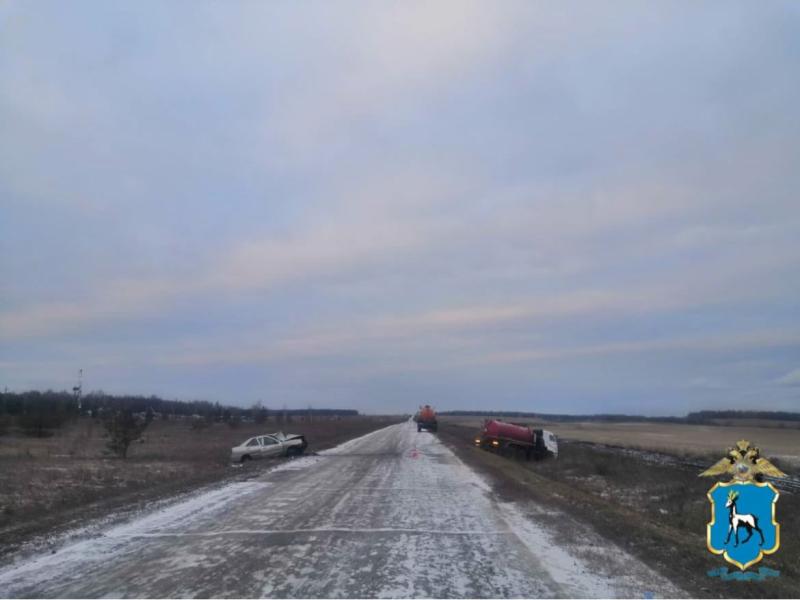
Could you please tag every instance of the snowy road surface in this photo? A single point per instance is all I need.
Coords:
(391, 514)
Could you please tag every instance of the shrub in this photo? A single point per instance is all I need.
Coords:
(123, 428)
(41, 421)
(199, 423)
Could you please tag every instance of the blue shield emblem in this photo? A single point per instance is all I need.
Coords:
(743, 527)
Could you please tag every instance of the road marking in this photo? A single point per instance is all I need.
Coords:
(367, 488)
(161, 534)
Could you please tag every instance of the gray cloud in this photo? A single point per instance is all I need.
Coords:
(550, 207)
(791, 379)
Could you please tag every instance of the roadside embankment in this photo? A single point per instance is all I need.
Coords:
(657, 511)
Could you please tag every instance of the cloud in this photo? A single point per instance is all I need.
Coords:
(478, 195)
(387, 234)
(790, 379)
(707, 383)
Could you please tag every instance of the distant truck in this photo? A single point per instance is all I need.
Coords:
(426, 419)
(501, 437)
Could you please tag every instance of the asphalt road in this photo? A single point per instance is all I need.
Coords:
(391, 514)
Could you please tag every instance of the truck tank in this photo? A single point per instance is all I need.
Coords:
(517, 433)
(426, 419)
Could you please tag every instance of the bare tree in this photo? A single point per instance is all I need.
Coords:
(123, 429)
(260, 414)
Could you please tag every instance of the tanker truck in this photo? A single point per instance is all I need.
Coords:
(426, 419)
(504, 437)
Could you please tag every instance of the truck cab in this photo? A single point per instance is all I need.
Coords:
(548, 446)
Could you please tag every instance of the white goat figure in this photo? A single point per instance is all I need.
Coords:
(735, 520)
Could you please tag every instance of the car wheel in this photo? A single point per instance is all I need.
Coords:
(246, 458)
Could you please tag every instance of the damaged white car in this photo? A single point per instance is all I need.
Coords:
(264, 446)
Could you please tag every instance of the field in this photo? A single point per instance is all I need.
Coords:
(47, 483)
(654, 508)
(706, 441)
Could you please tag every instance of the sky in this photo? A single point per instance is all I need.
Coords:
(561, 207)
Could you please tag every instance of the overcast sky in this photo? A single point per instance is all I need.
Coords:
(554, 207)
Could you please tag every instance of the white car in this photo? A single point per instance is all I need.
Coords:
(274, 444)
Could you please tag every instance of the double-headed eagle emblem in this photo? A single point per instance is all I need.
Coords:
(744, 463)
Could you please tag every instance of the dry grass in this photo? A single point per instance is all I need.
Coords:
(677, 439)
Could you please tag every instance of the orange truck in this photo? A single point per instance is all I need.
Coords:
(426, 418)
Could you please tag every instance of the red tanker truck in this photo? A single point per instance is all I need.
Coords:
(426, 419)
(500, 436)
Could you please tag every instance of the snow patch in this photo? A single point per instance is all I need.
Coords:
(350, 444)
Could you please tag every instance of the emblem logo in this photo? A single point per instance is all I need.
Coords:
(743, 527)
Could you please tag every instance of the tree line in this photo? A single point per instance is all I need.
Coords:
(611, 418)
(771, 415)
(41, 413)
(697, 417)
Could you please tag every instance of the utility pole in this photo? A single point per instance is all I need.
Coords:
(78, 389)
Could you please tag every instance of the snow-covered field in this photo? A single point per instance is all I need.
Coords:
(391, 514)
